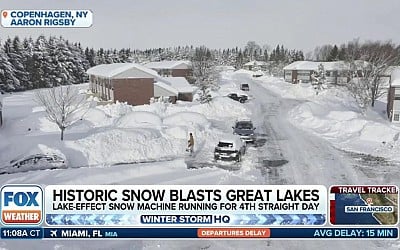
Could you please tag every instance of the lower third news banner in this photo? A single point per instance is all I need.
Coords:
(171, 211)
(183, 206)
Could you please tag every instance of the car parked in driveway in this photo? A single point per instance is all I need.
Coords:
(244, 87)
(245, 129)
(239, 98)
(231, 149)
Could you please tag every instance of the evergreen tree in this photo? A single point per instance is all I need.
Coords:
(334, 54)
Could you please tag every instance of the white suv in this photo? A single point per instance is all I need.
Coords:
(231, 148)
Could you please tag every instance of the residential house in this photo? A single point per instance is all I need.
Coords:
(1, 113)
(302, 71)
(175, 88)
(393, 97)
(184, 88)
(171, 68)
(255, 65)
(1, 109)
(136, 84)
(125, 82)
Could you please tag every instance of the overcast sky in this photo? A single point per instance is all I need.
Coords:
(296, 24)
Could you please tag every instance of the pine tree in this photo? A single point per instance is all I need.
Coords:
(334, 54)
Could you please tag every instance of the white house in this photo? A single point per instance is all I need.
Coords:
(393, 97)
(255, 65)
(171, 68)
(301, 71)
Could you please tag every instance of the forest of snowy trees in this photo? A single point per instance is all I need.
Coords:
(51, 61)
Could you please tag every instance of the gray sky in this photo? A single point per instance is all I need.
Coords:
(297, 24)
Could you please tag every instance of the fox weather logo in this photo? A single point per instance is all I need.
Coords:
(21, 204)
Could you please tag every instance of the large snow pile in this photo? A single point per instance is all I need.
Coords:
(186, 119)
(125, 145)
(244, 71)
(221, 107)
(116, 109)
(334, 120)
(287, 90)
(138, 119)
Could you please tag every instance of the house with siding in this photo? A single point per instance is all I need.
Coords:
(124, 82)
(302, 71)
(171, 68)
(1, 110)
(175, 88)
(135, 84)
(393, 97)
(255, 65)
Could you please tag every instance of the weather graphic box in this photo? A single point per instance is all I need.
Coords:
(21, 204)
(364, 205)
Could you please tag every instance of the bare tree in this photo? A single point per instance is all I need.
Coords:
(61, 104)
(251, 49)
(368, 64)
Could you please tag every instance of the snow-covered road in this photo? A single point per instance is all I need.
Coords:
(311, 160)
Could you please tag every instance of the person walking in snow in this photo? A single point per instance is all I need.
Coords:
(190, 143)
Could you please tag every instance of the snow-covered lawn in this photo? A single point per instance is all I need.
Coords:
(118, 133)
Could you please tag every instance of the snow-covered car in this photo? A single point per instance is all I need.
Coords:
(258, 73)
(231, 148)
(245, 129)
(35, 162)
(239, 98)
(244, 87)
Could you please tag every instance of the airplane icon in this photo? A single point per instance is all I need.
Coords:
(53, 233)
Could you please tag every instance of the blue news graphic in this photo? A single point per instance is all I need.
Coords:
(343, 218)
(21, 204)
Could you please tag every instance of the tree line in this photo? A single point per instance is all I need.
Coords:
(53, 61)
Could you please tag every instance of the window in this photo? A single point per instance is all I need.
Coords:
(397, 97)
(396, 117)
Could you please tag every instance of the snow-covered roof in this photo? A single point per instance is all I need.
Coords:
(395, 77)
(235, 140)
(255, 63)
(309, 65)
(180, 84)
(167, 87)
(168, 65)
(114, 69)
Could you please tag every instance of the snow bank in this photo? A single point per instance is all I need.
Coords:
(340, 124)
(126, 145)
(116, 109)
(221, 107)
(287, 90)
(334, 115)
(96, 116)
(138, 119)
(44, 149)
(186, 119)
(378, 132)
(244, 71)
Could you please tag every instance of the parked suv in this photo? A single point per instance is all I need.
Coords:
(244, 128)
(230, 149)
(239, 98)
(244, 87)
